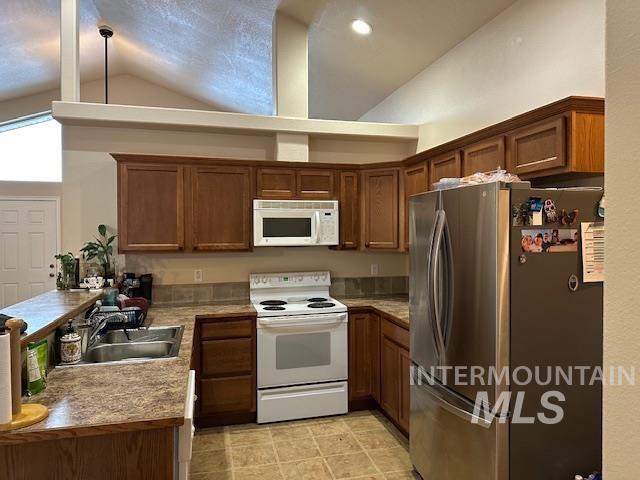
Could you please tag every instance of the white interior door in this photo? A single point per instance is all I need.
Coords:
(28, 244)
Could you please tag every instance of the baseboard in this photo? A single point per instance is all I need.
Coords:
(220, 419)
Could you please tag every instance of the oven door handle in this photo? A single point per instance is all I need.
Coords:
(302, 320)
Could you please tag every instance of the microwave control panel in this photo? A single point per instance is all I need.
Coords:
(329, 227)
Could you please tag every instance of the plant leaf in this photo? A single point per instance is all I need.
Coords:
(111, 239)
(102, 229)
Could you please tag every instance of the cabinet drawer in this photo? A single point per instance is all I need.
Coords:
(395, 333)
(236, 394)
(227, 329)
(227, 357)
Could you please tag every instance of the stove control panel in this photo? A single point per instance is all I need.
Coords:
(294, 279)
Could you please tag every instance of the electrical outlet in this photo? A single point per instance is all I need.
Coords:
(197, 276)
(374, 269)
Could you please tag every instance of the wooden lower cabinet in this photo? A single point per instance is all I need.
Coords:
(405, 388)
(379, 366)
(225, 363)
(364, 358)
(390, 373)
(136, 454)
(220, 395)
(395, 373)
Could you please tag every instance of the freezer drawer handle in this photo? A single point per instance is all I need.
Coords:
(484, 423)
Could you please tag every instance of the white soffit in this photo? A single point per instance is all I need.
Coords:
(158, 118)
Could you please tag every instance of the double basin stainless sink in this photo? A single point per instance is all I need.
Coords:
(143, 343)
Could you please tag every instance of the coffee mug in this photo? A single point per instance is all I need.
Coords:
(94, 282)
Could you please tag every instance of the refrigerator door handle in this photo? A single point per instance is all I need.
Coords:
(449, 407)
(434, 289)
(448, 316)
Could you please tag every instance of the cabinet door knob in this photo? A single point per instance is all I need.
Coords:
(366, 244)
(52, 275)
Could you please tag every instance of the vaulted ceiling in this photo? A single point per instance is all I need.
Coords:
(219, 51)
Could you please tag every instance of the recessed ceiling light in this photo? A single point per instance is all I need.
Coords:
(361, 27)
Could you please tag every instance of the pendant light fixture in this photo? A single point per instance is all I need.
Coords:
(106, 32)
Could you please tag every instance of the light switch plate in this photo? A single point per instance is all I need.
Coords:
(197, 276)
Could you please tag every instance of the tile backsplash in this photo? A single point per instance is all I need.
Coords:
(203, 293)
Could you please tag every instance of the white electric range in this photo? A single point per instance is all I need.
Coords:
(302, 346)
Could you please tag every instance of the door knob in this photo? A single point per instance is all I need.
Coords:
(52, 274)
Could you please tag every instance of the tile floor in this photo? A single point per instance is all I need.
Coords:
(361, 445)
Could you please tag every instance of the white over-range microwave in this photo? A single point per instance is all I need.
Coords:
(278, 223)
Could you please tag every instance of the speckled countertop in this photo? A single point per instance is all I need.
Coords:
(395, 307)
(48, 311)
(88, 399)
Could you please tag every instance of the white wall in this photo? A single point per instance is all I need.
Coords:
(89, 193)
(621, 294)
(533, 53)
(123, 89)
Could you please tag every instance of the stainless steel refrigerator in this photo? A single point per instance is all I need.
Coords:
(475, 300)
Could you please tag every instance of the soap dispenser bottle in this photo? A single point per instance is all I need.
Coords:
(70, 345)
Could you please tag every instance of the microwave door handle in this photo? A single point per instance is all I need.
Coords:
(317, 217)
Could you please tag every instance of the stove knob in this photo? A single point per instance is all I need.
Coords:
(300, 278)
(316, 277)
(264, 279)
(324, 277)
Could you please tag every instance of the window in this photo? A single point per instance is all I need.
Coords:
(31, 149)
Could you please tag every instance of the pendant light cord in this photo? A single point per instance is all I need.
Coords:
(106, 70)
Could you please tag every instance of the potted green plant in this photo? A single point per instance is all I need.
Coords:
(101, 250)
(67, 274)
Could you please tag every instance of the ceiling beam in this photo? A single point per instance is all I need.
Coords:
(290, 73)
(305, 11)
(69, 51)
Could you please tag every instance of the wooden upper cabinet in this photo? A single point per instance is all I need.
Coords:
(445, 166)
(315, 184)
(349, 205)
(150, 207)
(381, 208)
(220, 208)
(276, 183)
(538, 147)
(483, 156)
(416, 180)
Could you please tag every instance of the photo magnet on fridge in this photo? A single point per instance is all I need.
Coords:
(547, 240)
(535, 206)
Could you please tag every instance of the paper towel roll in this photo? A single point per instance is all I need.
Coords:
(5, 379)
